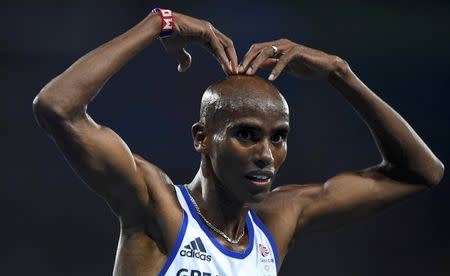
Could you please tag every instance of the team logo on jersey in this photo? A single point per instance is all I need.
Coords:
(195, 249)
(263, 250)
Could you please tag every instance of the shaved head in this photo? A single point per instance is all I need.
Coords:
(238, 95)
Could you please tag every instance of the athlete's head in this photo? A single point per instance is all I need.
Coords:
(242, 135)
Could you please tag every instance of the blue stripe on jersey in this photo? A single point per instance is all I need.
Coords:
(263, 228)
(205, 229)
(174, 251)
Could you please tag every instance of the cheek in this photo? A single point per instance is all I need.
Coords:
(234, 154)
(280, 156)
(230, 159)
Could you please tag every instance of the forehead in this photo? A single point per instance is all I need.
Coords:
(266, 114)
(239, 97)
(266, 111)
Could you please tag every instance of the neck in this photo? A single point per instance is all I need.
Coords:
(217, 204)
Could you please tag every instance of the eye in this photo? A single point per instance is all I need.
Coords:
(278, 138)
(245, 134)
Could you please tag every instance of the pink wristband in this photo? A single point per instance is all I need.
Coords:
(166, 20)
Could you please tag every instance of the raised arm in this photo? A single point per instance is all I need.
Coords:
(408, 166)
(97, 154)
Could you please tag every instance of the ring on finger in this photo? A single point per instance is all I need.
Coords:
(274, 50)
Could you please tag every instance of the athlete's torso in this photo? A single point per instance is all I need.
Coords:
(197, 252)
(152, 220)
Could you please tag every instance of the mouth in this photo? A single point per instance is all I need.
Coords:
(260, 178)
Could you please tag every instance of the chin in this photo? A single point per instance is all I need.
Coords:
(258, 196)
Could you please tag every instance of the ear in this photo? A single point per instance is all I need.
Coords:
(199, 137)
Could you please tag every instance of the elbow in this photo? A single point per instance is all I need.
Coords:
(436, 174)
(430, 175)
(48, 115)
(43, 112)
(39, 106)
(46, 104)
(433, 174)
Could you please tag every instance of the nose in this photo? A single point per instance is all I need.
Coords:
(264, 156)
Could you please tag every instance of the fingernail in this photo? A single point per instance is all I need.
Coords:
(271, 77)
(241, 68)
(249, 70)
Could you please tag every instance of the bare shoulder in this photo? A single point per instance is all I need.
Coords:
(281, 209)
(150, 171)
(287, 199)
(160, 188)
(144, 244)
(162, 215)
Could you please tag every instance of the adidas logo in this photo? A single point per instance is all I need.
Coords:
(195, 249)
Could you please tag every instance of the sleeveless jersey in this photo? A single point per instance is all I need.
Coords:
(198, 253)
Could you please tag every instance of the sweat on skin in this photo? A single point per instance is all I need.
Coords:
(240, 94)
(251, 104)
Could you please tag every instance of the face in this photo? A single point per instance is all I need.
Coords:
(248, 150)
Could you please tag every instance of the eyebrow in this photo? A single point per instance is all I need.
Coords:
(255, 126)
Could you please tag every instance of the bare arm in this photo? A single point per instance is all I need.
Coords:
(69, 93)
(98, 155)
(405, 156)
(408, 166)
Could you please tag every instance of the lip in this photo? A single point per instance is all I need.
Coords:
(260, 184)
(261, 172)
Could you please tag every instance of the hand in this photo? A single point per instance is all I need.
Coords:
(188, 29)
(296, 59)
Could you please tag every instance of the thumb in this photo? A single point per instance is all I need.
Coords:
(184, 60)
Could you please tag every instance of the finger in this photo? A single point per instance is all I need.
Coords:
(269, 63)
(218, 49)
(229, 49)
(208, 47)
(231, 53)
(281, 64)
(264, 54)
(184, 60)
(251, 54)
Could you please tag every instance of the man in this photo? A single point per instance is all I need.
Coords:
(226, 221)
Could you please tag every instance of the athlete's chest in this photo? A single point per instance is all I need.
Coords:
(198, 252)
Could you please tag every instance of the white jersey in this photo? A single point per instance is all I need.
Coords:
(198, 253)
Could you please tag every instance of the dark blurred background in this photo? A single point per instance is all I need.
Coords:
(51, 224)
